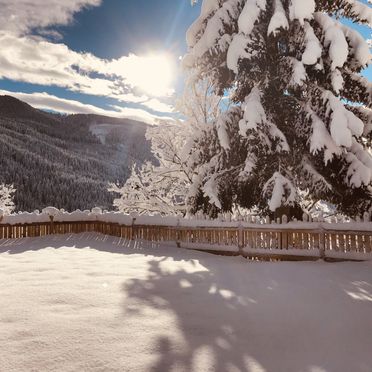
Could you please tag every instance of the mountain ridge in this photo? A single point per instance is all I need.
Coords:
(58, 160)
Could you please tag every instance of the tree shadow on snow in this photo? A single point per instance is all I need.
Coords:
(103, 243)
(258, 317)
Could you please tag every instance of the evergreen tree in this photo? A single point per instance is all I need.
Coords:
(300, 128)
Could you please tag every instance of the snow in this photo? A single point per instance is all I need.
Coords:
(313, 50)
(280, 191)
(237, 51)
(337, 80)
(214, 29)
(210, 190)
(254, 113)
(195, 222)
(358, 173)
(208, 7)
(321, 139)
(250, 14)
(237, 48)
(221, 126)
(362, 10)
(344, 124)
(276, 133)
(299, 74)
(314, 253)
(334, 37)
(359, 46)
(317, 177)
(360, 169)
(279, 19)
(301, 10)
(250, 165)
(93, 303)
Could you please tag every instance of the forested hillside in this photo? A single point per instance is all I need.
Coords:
(66, 161)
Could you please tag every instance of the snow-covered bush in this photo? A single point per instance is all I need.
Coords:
(164, 188)
(6, 198)
(158, 188)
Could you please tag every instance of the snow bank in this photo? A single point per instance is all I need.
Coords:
(283, 252)
(253, 222)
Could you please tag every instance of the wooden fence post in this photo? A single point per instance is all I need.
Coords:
(322, 243)
(240, 239)
(178, 233)
(132, 228)
(52, 224)
(284, 234)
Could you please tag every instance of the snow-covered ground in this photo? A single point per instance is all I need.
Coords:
(94, 303)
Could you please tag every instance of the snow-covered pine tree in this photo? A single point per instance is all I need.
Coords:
(6, 198)
(301, 124)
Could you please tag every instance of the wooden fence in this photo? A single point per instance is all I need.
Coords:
(259, 241)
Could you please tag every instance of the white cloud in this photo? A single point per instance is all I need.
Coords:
(35, 60)
(139, 114)
(21, 16)
(156, 105)
(47, 101)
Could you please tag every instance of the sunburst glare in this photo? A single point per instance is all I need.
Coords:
(154, 74)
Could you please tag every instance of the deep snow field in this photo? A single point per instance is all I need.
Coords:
(94, 303)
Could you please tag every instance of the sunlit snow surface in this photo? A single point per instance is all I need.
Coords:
(90, 303)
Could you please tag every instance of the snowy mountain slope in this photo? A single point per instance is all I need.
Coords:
(57, 160)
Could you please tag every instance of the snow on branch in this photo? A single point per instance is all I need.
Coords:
(321, 139)
(221, 126)
(313, 50)
(280, 191)
(344, 124)
(249, 166)
(214, 30)
(278, 20)
(250, 14)
(237, 51)
(208, 7)
(335, 39)
(362, 11)
(360, 169)
(210, 190)
(337, 80)
(315, 175)
(254, 113)
(299, 74)
(301, 10)
(276, 133)
(359, 46)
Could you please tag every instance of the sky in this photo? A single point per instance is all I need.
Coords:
(109, 57)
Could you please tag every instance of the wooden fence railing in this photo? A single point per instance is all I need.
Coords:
(271, 241)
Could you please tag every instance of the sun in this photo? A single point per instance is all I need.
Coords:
(153, 74)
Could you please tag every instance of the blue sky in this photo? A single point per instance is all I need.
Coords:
(84, 55)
